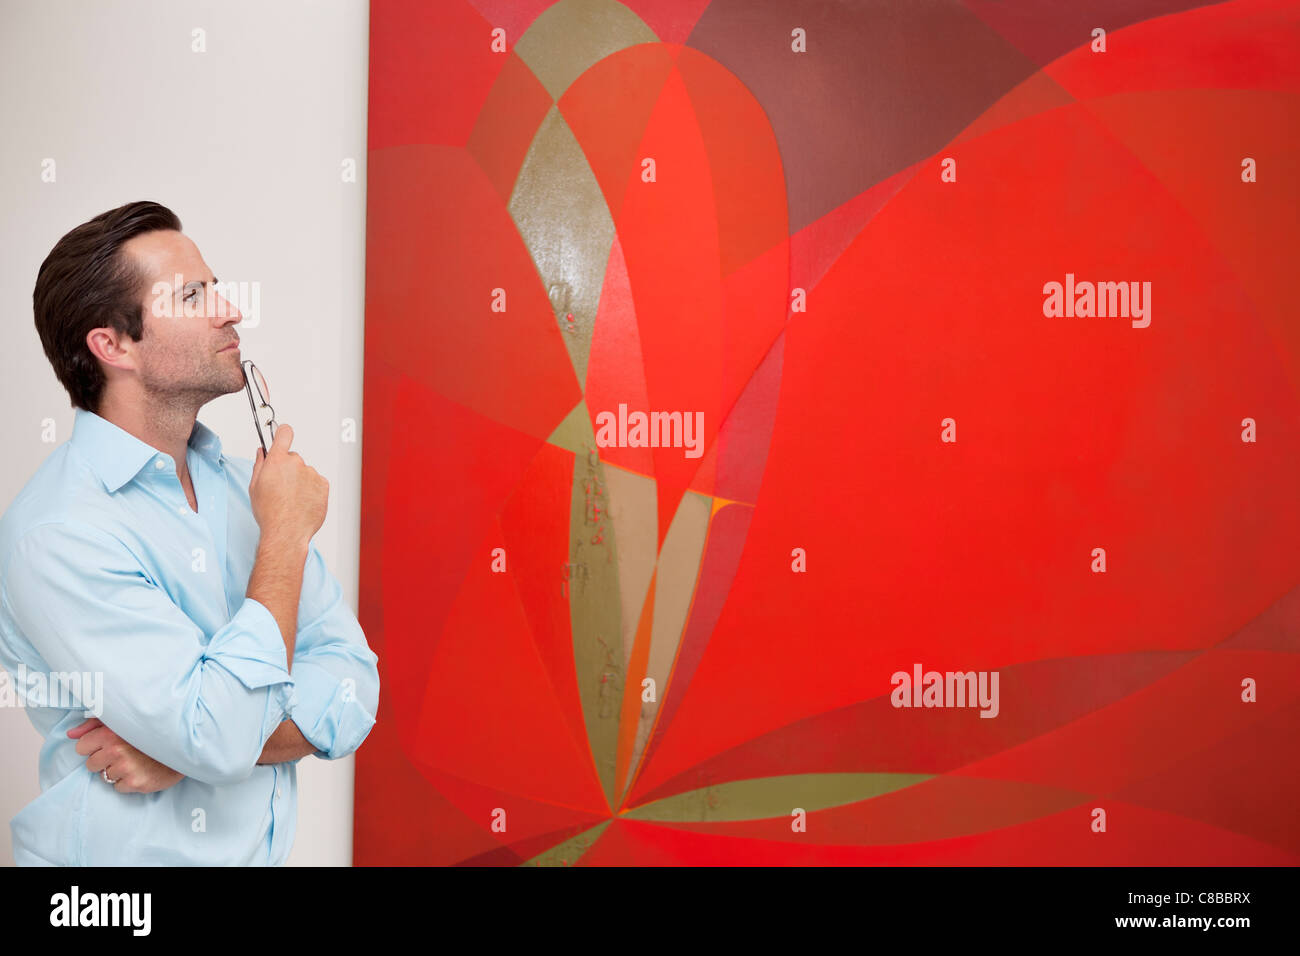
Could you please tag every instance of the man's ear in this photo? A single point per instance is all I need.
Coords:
(106, 345)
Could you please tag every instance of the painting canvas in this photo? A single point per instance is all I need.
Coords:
(830, 432)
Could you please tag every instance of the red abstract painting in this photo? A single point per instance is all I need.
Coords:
(832, 433)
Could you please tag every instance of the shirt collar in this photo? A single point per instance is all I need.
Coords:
(116, 456)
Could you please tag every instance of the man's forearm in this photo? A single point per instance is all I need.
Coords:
(285, 744)
(276, 582)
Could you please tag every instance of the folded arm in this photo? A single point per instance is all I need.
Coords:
(204, 709)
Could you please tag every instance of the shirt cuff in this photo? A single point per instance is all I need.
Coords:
(328, 711)
(251, 648)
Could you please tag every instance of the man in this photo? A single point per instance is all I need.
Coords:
(183, 581)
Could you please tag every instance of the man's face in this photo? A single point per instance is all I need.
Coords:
(187, 323)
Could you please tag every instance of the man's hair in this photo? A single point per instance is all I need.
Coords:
(88, 282)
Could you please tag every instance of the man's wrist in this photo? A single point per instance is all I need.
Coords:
(286, 744)
(282, 543)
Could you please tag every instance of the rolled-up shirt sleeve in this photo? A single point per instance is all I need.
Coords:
(336, 678)
(203, 708)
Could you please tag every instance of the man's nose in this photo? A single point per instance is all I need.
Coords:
(227, 312)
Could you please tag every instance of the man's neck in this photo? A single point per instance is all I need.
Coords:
(163, 426)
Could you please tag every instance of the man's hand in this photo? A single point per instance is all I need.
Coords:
(131, 770)
(289, 497)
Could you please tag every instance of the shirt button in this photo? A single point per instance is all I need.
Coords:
(181, 509)
(159, 463)
(277, 791)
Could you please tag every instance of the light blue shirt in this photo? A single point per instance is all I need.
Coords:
(106, 570)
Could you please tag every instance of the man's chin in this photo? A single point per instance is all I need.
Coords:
(233, 383)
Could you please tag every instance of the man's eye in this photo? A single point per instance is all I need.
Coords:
(191, 294)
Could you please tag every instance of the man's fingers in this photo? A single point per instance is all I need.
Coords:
(99, 760)
(85, 727)
(96, 739)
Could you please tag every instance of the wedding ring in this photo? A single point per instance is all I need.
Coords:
(104, 773)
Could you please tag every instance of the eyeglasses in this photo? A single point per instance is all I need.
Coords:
(259, 396)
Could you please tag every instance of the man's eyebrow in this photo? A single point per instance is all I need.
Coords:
(213, 281)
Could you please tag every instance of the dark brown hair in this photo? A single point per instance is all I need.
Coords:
(87, 282)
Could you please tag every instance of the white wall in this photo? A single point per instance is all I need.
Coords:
(245, 143)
